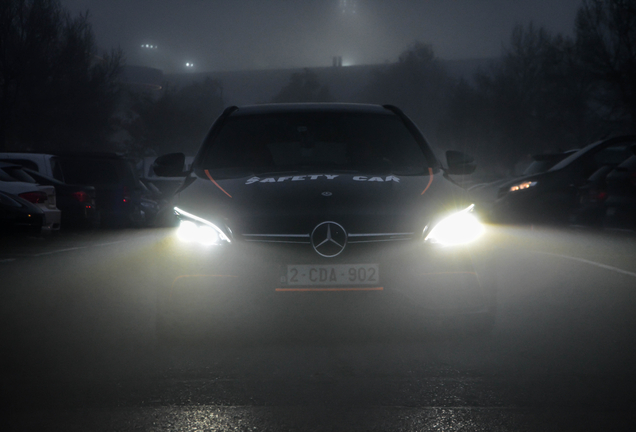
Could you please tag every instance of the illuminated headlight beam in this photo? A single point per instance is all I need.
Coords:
(459, 228)
(195, 229)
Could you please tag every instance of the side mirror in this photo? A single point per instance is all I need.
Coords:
(459, 163)
(170, 165)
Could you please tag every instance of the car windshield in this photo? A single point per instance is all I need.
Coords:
(306, 142)
(538, 167)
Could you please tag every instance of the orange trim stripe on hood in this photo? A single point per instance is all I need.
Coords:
(207, 173)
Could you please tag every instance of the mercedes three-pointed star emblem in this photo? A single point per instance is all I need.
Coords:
(328, 239)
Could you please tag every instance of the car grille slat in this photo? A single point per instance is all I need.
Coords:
(278, 238)
(351, 238)
(378, 237)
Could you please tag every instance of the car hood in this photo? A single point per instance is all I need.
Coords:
(296, 204)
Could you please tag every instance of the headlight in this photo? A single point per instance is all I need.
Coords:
(195, 229)
(522, 186)
(459, 228)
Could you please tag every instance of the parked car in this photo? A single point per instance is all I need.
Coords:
(485, 194)
(552, 196)
(591, 199)
(152, 202)
(45, 164)
(620, 204)
(76, 202)
(18, 215)
(14, 180)
(118, 193)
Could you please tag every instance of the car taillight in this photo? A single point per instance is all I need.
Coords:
(34, 197)
(126, 194)
(597, 195)
(81, 196)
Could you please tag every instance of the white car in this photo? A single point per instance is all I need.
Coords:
(15, 181)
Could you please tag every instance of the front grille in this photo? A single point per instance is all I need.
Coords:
(379, 237)
(278, 238)
(305, 238)
(285, 252)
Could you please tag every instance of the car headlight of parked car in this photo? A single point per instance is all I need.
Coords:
(196, 229)
(459, 228)
(522, 186)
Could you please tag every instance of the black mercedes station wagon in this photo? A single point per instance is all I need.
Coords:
(336, 205)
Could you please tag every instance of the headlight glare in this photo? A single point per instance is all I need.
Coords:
(187, 231)
(208, 235)
(459, 228)
(195, 229)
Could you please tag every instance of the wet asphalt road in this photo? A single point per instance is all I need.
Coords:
(80, 351)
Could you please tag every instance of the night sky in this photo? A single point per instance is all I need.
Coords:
(256, 34)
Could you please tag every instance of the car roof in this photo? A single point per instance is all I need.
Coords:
(309, 107)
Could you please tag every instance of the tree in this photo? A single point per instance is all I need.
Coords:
(606, 44)
(535, 98)
(178, 120)
(55, 91)
(467, 124)
(303, 87)
(417, 83)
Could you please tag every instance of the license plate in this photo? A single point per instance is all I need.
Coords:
(331, 275)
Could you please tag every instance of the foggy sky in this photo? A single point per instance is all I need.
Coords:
(257, 34)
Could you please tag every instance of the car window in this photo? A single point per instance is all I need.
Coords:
(24, 162)
(613, 155)
(57, 170)
(44, 180)
(17, 174)
(608, 156)
(7, 201)
(5, 176)
(305, 142)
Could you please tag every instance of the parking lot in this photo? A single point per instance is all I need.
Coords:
(81, 351)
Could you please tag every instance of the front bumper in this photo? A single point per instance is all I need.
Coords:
(52, 219)
(411, 273)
